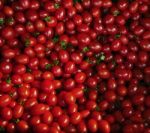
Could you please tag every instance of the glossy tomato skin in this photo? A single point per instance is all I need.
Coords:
(84, 39)
(96, 115)
(53, 130)
(38, 109)
(23, 92)
(80, 77)
(57, 111)
(33, 93)
(41, 128)
(22, 126)
(10, 128)
(8, 33)
(92, 125)
(51, 100)
(81, 127)
(47, 86)
(77, 92)
(47, 118)
(6, 67)
(104, 126)
(30, 103)
(18, 111)
(63, 120)
(5, 87)
(5, 100)
(6, 113)
(75, 118)
(69, 98)
(34, 120)
(72, 108)
(70, 66)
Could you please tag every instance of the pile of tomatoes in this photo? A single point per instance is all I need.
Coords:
(75, 66)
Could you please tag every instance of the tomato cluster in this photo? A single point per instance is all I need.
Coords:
(75, 66)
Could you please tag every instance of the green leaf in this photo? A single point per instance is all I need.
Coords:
(114, 62)
(9, 20)
(99, 99)
(29, 23)
(69, 45)
(128, 22)
(56, 39)
(17, 86)
(2, 129)
(131, 1)
(1, 21)
(47, 49)
(27, 42)
(47, 19)
(117, 104)
(57, 91)
(8, 81)
(35, 34)
(56, 5)
(85, 49)
(144, 83)
(116, 13)
(75, 1)
(21, 102)
(41, 4)
(15, 120)
(86, 91)
(101, 38)
(97, 108)
(11, 94)
(88, 60)
(114, 1)
(63, 44)
(48, 66)
(28, 70)
(56, 62)
(100, 58)
(117, 35)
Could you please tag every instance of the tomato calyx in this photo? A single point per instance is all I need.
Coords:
(2, 129)
(56, 39)
(86, 49)
(63, 45)
(117, 35)
(77, 1)
(48, 66)
(100, 58)
(21, 102)
(27, 42)
(97, 108)
(47, 19)
(35, 34)
(54, 63)
(28, 70)
(57, 6)
(15, 120)
(2, 21)
(8, 80)
(116, 13)
(9, 20)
